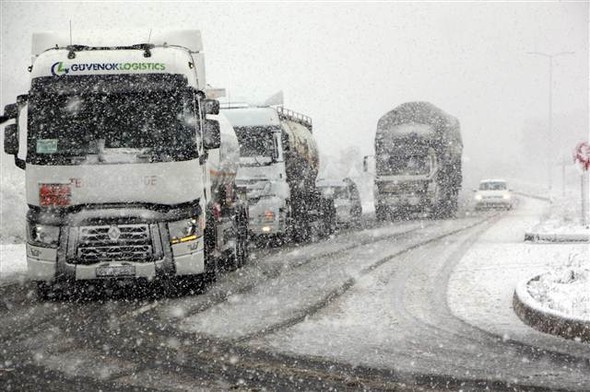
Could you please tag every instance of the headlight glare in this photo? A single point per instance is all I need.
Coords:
(184, 230)
(43, 234)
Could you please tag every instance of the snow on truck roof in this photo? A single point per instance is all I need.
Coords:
(242, 114)
(420, 113)
(252, 116)
(492, 180)
(189, 39)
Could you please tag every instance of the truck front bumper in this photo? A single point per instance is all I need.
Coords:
(84, 252)
(268, 218)
(187, 259)
(393, 201)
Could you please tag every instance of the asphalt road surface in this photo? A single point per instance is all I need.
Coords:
(389, 306)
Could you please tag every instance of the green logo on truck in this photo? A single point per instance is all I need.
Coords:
(59, 68)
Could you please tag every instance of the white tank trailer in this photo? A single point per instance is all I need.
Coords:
(279, 163)
(418, 151)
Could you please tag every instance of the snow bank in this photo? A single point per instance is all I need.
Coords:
(12, 200)
(13, 262)
(562, 222)
(564, 290)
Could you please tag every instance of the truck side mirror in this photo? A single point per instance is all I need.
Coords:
(211, 106)
(10, 112)
(11, 139)
(211, 134)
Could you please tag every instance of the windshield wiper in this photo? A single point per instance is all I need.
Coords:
(258, 163)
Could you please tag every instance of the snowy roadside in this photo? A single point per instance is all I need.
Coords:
(13, 263)
(481, 288)
(562, 290)
(562, 221)
(562, 293)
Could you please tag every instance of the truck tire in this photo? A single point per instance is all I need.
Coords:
(46, 291)
(381, 213)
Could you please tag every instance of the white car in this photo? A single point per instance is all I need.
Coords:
(493, 194)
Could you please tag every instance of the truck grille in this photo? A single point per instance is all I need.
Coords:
(409, 187)
(114, 243)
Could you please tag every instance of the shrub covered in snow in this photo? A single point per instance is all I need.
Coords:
(565, 290)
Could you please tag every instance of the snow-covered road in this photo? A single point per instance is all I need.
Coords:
(423, 304)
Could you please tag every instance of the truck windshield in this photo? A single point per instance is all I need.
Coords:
(154, 120)
(403, 165)
(256, 142)
(492, 186)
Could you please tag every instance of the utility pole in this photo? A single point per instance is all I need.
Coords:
(550, 56)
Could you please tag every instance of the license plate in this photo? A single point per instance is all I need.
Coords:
(116, 270)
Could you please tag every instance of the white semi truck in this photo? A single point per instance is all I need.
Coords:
(279, 164)
(130, 170)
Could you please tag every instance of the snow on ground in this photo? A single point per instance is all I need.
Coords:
(13, 206)
(563, 217)
(483, 283)
(565, 290)
(13, 262)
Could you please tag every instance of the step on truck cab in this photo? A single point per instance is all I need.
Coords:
(118, 141)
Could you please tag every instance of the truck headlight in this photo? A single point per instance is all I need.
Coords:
(506, 196)
(43, 234)
(185, 230)
(269, 216)
(478, 197)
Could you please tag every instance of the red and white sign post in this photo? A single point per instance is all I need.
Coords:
(582, 157)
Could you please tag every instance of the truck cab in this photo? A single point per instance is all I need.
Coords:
(116, 152)
(262, 167)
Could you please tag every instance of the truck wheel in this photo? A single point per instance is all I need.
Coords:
(242, 249)
(188, 285)
(381, 213)
(46, 291)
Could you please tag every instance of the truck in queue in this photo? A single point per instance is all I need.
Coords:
(279, 164)
(130, 169)
(418, 151)
(347, 200)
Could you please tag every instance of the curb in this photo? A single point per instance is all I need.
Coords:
(556, 237)
(546, 320)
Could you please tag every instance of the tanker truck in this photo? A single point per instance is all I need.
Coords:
(418, 162)
(130, 170)
(279, 164)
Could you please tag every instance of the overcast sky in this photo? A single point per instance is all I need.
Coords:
(346, 64)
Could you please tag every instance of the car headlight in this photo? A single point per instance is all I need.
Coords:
(43, 234)
(506, 196)
(185, 230)
(478, 197)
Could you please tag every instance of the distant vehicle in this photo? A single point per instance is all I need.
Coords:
(418, 151)
(493, 194)
(347, 201)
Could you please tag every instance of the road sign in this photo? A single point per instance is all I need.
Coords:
(582, 155)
